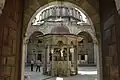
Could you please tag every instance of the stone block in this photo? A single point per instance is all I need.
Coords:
(1, 34)
(7, 70)
(12, 33)
(6, 51)
(10, 60)
(14, 47)
(13, 73)
(10, 42)
(5, 36)
(3, 60)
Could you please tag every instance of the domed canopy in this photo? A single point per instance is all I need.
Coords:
(60, 30)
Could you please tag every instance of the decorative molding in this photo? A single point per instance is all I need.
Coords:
(2, 3)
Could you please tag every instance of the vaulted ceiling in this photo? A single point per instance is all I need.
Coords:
(91, 7)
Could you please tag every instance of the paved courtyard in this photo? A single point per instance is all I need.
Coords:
(85, 73)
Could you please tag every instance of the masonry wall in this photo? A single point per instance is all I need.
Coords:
(110, 32)
(10, 41)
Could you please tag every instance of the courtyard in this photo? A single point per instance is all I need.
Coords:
(84, 73)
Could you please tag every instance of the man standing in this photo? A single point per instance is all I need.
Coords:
(32, 64)
(38, 63)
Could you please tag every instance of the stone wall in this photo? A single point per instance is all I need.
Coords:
(10, 32)
(110, 26)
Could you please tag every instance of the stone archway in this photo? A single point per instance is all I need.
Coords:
(32, 8)
(90, 37)
(26, 40)
(96, 48)
(12, 24)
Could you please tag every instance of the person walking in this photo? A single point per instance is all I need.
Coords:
(38, 64)
(32, 64)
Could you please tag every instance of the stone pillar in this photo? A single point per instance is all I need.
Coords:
(96, 51)
(86, 57)
(85, 45)
(48, 57)
(72, 52)
(67, 54)
(52, 62)
(72, 57)
(24, 57)
(68, 71)
(25, 51)
(45, 61)
(76, 60)
(90, 53)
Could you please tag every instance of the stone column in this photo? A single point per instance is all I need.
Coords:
(68, 71)
(48, 57)
(52, 62)
(45, 61)
(76, 60)
(85, 45)
(91, 53)
(25, 51)
(24, 57)
(72, 57)
(96, 51)
(72, 52)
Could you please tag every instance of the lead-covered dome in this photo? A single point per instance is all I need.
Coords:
(60, 30)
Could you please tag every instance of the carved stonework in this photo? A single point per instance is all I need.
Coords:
(2, 2)
(118, 5)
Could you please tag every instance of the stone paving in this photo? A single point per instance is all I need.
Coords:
(85, 73)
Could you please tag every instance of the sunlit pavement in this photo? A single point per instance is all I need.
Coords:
(84, 73)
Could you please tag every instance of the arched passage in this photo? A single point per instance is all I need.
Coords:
(88, 48)
(55, 3)
(33, 47)
(5, 25)
(29, 48)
